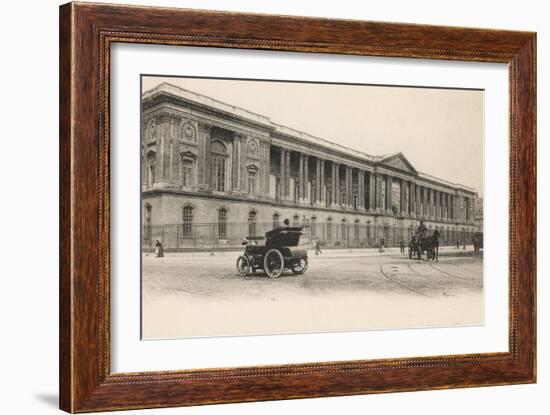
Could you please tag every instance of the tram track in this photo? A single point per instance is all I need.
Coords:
(389, 277)
(446, 272)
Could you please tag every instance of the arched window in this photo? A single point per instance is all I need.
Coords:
(296, 220)
(186, 171)
(187, 230)
(222, 223)
(252, 223)
(329, 229)
(219, 155)
(276, 218)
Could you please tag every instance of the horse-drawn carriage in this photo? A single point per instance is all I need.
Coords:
(425, 243)
(273, 254)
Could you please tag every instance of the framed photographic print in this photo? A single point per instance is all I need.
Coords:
(260, 207)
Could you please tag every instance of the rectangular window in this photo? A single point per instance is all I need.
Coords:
(187, 173)
(329, 231)
(218, 174)
(187, 222)
(222, 223)
(251, 182)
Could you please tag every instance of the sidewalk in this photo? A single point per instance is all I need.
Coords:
(328, 253)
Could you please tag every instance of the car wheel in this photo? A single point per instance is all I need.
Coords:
(273, 263)
(243, 266)
(299, 266)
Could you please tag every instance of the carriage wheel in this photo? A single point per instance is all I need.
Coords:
(243, 266)
(299, 266)
(273, 263)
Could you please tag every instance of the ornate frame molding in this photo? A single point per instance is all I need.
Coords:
(86, 33)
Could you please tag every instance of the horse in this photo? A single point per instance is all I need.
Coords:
(428, 244)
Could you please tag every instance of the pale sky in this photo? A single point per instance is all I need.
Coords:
(440, 131)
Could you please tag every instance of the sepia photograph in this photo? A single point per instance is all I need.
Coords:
(285, 207)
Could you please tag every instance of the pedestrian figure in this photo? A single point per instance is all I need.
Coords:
(402, 246)
(457, 244)
(464, 245)
(159, 251)
(318, 246)
(381, 248)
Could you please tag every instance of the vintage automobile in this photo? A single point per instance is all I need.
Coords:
(273, 254)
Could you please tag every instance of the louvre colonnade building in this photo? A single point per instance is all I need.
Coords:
(213, 173)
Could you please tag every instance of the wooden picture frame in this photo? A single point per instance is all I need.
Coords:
(86, 33)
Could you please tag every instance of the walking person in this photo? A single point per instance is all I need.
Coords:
(402, 246)
(318, 246)
(457, 244)
(159, 251)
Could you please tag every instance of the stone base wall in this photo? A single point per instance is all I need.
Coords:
(335, 227)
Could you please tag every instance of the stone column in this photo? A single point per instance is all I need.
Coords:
(372, 191)
(322, 182)
(361, 189)
(235, 165)
(347, 188)
(318, 181)
(412, 200)
(389, 194)
(417, 196)
(287, 174)
(333, 184)
(424, 202)
(432, 201)
(267, 167)
(337, 199)
(436, 204)
(405, 198)
(282, 170)
(301, 181)
(204, 167)
(380, 201)
(306, 177)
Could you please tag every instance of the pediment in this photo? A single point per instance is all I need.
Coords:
(399, 161)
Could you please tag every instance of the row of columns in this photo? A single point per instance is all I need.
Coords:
(374, 191)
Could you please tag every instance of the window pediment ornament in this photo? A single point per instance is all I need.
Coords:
(252, 168)
(188, 154)
(252, 148)
(188, 131)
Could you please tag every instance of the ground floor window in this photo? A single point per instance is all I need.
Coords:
(313, 226)
(252, 223)
(222, 223)
(187, 230)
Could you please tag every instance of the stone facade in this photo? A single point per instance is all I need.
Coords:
(212, 171)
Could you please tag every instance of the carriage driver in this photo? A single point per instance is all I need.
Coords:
(421, 230)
